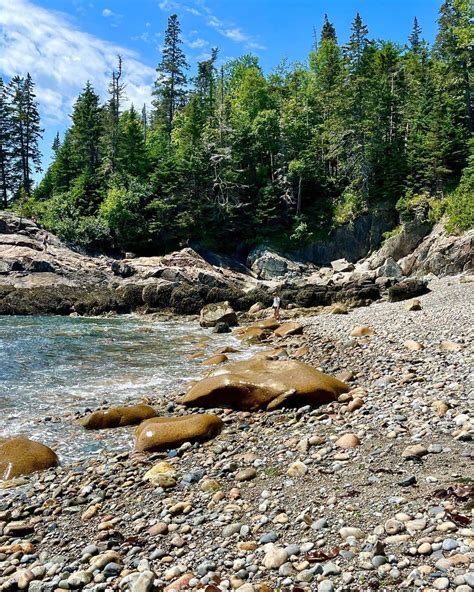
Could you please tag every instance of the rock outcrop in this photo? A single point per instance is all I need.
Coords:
(440, 254)
(21, 456)
(261, 383)
(266, 264)
(163, 433)
(117, 417)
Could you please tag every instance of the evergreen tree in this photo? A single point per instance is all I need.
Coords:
(26, 130)
(170, 84)
(8, 180)
(86, 131)
(415, 39)
(112, 113)
(56, 143)
(328, 32)
(131, 155)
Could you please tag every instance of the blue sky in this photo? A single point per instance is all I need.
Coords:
(62, 43)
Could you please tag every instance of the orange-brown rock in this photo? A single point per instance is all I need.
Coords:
(348, 441)
(215, 360)
(228, 349)
(288, 329)
(262, 383)
(300, 352)
(162, 433)
(253, 335)
(362, 331)
(21, 456)
(117, 417)
(268, 324)
(197, 355)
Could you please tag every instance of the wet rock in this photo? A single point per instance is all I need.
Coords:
(117, 417)
(21, 456)
(260, 383)
(215, 360)
(162, 433)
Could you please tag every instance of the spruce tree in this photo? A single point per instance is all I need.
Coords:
(415, 39)
(56, 143)
(131, 151)
(328, 32)
(8, 181)
(87, 129)
(26, 129)
(170, 84)
(116, 92)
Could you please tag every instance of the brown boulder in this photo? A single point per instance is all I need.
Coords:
(21, 456)
(253, 335)
(261, 383)
(118, 417)
(215, 360)
(362, 331)
(288, 329)
(268, 324)
(162, 433)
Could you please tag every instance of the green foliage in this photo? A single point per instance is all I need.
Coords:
(122, 213)
(233, 157)
(460, 203)
(394, 232)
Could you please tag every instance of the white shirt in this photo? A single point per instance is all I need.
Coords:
(276, 302)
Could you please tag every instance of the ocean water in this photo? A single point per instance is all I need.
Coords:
(54, 367)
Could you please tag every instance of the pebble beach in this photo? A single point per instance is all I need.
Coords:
(371, 492)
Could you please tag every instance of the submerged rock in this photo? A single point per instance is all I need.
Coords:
(162, 433)
(260, 383)
(21, 456)
(117, 417)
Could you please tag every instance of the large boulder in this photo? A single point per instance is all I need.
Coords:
(261, 383)
(342, 265)
(406, 289)
(21, 456)
(268, 265)
(186, 299)
(163, 433)
(115, 417)
(221, 312)
(390, 269)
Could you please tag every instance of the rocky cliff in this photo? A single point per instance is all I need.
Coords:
(39, 276)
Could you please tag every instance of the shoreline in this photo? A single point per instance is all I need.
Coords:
(279, 530)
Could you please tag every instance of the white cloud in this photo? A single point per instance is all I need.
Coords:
(197, 43)
(107, 12)
(61, 58)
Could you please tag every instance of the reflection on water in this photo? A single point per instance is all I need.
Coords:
(52, 367)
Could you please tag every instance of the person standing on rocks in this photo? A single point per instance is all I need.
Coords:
(276, 307)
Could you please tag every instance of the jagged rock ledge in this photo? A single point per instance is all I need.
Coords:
(62, 280)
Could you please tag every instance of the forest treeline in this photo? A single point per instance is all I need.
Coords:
(234, 157)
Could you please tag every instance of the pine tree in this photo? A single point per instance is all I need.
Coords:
(116, 92)
(131, 152)
(328, 32)
(56, 143)
(415, 39)
(87, 129)
(453, 47)
(170, 84)
(8, 182)
(26, 129)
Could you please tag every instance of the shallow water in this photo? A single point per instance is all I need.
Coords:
(54, 367)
